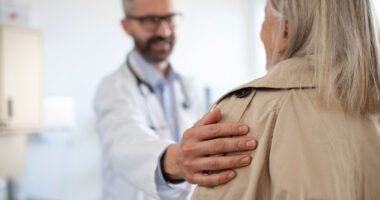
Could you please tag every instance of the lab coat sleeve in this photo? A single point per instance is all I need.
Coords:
(130, 148)
(170, 191)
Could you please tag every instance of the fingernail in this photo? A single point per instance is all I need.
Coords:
(243, 129)
(230, 174)
(251, 144)
(245, 161)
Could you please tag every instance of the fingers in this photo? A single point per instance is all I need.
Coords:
(220, 146)
(212, 131)
(210, 118)
(210, 180)
(228, 145)
(217, 163)
(208, 137)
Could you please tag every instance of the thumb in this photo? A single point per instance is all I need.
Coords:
(211, 117)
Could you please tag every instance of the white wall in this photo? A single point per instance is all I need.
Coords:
(257, 56)
(213, 44)
(216, 42)
(83, 42)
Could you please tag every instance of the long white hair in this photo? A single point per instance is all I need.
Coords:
(343, 37)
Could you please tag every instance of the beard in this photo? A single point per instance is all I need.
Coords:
(151, 54)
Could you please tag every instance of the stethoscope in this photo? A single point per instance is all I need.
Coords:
(186, 104)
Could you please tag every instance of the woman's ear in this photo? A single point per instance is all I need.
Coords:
(285, 29)
(285, 37)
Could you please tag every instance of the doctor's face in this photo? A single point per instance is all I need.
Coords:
(151, 23)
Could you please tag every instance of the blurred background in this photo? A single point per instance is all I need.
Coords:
(81, 41)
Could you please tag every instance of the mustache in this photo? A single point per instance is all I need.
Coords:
(157, 39)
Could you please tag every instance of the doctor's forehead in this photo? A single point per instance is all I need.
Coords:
(151, 7)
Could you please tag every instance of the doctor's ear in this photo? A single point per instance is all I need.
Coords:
(126, 26)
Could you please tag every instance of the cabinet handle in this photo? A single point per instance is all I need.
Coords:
(10, 109)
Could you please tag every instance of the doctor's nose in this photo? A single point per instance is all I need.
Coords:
(164, 29)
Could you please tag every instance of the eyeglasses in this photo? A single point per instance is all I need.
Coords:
(152, 22)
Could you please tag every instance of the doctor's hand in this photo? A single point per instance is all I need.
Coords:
(198, 157)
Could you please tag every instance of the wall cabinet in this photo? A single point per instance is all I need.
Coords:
(20, 80)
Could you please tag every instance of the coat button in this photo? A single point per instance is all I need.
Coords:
(243, 93)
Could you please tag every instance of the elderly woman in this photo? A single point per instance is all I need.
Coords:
(315, 114)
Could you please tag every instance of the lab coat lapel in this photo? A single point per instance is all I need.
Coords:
(184, 117)
(153, 106)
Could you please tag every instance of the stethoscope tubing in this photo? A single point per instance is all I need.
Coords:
(186, 104)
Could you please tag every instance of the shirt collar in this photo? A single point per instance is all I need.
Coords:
(152, 75)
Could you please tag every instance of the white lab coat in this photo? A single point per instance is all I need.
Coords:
(130, 148)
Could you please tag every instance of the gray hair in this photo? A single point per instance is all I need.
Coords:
(127, 6)
(343, 35)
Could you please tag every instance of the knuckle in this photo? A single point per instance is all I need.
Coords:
(204, 181)
(188, 134)
(238, 145)
(221, 179)
(189, 178)
(187, 164)
(212, 164)
(213, 130)
(188, 150)
(233, 162)
(233, 128)
(217, 146)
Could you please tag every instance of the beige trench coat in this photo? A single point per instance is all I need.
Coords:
(305, 150)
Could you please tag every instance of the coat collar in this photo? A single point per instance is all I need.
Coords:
(293, 73)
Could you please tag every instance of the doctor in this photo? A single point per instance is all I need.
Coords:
(144, 108)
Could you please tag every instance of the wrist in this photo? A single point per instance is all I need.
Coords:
(169, 164)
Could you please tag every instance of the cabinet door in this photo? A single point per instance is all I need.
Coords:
(20, 77)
